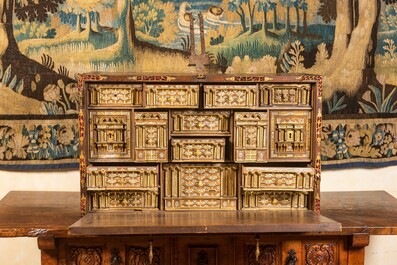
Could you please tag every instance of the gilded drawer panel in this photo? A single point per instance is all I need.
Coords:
(151, 136)
(201, 122)
(230, 96)
(250, 137)
(109, 134)
(123, 200)
(290, 135)
(265, 178)
(115, 94)
(128, 178)
(285, 94)
(204, 150)
(171, 96)
(200, 186)
(254, 200)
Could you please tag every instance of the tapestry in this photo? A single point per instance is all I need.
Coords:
(44, 44)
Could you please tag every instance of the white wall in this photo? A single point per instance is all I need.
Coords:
(16, 251)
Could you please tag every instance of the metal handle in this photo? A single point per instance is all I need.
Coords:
(150, 251)
(257, 249)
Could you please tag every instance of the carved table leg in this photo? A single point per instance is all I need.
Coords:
(49, 253)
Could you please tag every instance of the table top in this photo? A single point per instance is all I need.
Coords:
(35, 213)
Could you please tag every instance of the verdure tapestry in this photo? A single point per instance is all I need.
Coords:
(44, 44)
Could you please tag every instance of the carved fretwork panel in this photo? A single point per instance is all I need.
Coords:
(140, 256)
(200, 186)
(230, 96)
(285, 94)
(115, 94)
(151, 136)
(250, 137)
(290, 135)
(321, 254)
(85, 256)
(203, 255)
(171, 96)
(124, 199)
(201, 122)
(268, 255)
(274, 199)
(110, 134)
(199, 150)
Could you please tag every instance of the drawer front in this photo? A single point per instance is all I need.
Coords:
(201, 187)
(290, 135)
(230, 96)
(124, 200)
(131, 178)
(285, 94)
(201, 122)
(151, 136)
(204, 150)
(262, 178)
(109, 134)
(251, 132)
(115, 95)
(171, 96)
(254, 200)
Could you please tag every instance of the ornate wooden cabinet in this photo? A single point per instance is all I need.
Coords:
(187, 142)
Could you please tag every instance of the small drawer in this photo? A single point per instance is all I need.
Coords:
(127, 178)
(199, 150)
(201, 122)
(115, 95)
(256, 200)
(285, 94)
(124, 200)
(171, 96)
(109, 134)
(200, 187)
(265, 178)
(230, 96)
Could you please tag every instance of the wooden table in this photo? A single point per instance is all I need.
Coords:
(337, 236)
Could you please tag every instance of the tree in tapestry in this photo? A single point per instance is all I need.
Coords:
(45, 43)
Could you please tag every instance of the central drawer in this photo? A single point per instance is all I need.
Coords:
(198, 150)
(200, 186)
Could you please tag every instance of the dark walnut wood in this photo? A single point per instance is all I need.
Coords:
(373, 212)
(38, 213)
(215, 222)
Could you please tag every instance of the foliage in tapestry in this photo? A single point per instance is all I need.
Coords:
(351, 43)
(39, 142)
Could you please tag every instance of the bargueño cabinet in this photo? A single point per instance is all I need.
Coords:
(188, 142)
(196, 169)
